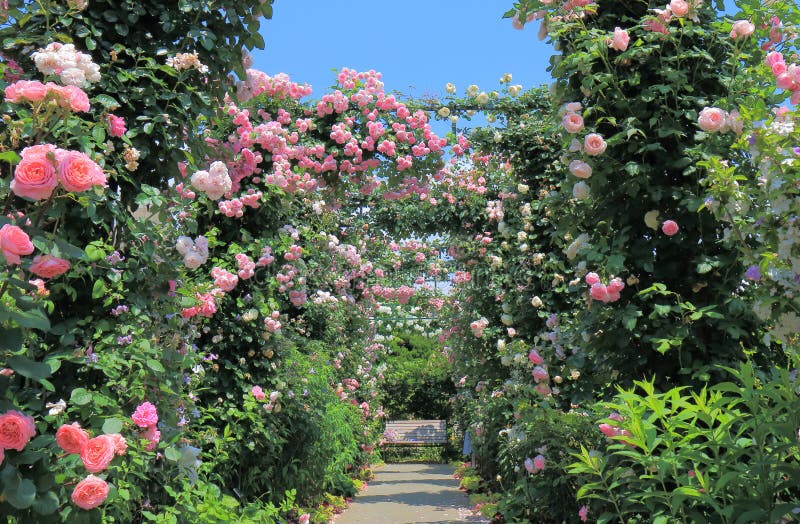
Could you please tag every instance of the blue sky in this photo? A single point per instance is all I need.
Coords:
(418, 45)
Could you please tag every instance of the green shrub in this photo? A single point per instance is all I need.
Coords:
(724, 454)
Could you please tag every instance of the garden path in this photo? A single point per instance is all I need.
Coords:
(411, 494)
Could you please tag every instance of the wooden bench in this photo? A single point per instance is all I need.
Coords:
(415, 433)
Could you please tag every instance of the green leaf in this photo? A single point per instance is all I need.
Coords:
(46, 504)
(34, 319)
(29, 368)
(172, 454)
(20, 493)
(11, 339)
(99, 134)
(80, 396)
(9, 156)
(107, 102)
(112, 425)
(99, 288)
(155, 365)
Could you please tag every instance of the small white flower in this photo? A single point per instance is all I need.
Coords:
(56, 408)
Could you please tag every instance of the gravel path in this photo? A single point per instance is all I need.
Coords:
(411, 494)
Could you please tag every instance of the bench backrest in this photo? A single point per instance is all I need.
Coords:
(416, 432)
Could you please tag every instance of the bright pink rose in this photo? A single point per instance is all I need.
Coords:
(669, 227)
(98, 453)
(90, 492)
(116, 126)
(598, 291)
(592, 278)
(594, 144)
(742, 28)
(679, 8)
(572, 122)
(535, 357)
(580, 169)
(48, 266)
(78, 172)
(583, 513)
(620, 39)
(153, 435)
(16, 429)
(72, 438)
(538, 462)
(712, 119)
(35, 175)
(145, 415)
(773, 58)
(13, 243)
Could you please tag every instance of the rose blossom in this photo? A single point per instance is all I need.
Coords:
(534, 357)
(90, 492)
(742, 28)
(679, 8)
(72, 438)
(16, 429)
(712, 119)
(13, 243)
(98, 453)
(48, 266)
(35, 175)
(580, 169)
(669, 227)
(258, 393)
(116, 126)
(538, 462)
(78, 172)
(145, 415)
(26, 90)
(620, 39)
(120, 444)
(594, 144)
(572, 122)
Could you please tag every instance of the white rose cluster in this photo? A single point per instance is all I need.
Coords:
(71, 66)
(194, 252)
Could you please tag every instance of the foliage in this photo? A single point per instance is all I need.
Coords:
(726, 453)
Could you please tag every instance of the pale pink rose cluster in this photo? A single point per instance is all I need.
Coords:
(183, 61)
(43, 166)
(478, 326)
(224, 280)
(34, 92)
(612, 430)
(194, 252)
(206, 306)
(604, 292)
(716, 120)
(70, 65)
(215, 182)
(272, 324)
(278, 86)
(787, 78)
(536, 464)
(146, 417)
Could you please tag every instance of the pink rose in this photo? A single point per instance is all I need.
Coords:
(529, 465)
(90, 492)
(572, 122)
(78, 172)
(598, 291)
(26, 91)
(258, 393)
(35, 175)
(72, 438)
(669, 227)
(773, 58)
(74, 98)
(153, 435)
(679, 8)
(539, 373)
(594, 145)
(145, 415)
(742, 28)
(16, 429)
(620, 39)
(538, 462)
(116, 126)
(120, 444)
(535, 357)
(48, 266)
(712, 119)
(583, 513)
(98, 453)
(580, 169)
(13, 243)
(592, 278)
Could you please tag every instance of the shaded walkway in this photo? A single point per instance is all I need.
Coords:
(411, 493)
